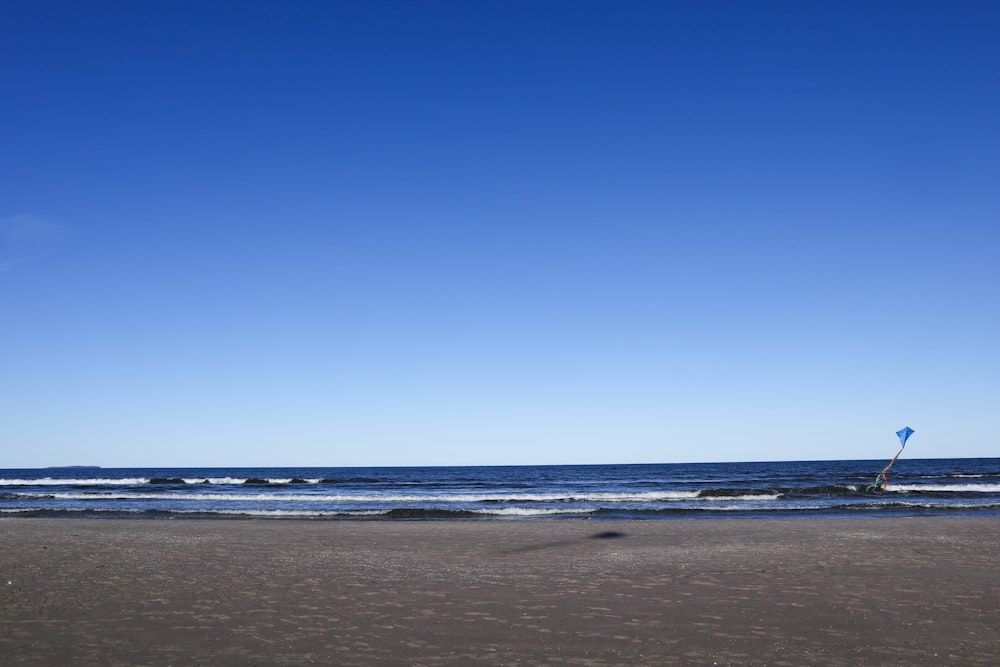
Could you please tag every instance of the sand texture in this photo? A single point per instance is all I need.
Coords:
(701, 592)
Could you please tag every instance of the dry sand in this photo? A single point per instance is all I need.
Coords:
(700, 592)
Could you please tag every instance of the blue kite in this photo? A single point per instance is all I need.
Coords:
(882, 479)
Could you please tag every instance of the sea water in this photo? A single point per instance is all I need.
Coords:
(939, 487)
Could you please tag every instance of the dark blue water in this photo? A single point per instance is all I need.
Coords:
(947, 487)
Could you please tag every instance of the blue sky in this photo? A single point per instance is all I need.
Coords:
(379, 233)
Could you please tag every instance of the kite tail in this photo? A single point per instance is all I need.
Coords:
(879, 485)
(894, 459)
(881, 482)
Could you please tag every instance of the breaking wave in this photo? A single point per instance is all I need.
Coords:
(790, 489)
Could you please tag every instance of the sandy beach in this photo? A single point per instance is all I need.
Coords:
(909, 591)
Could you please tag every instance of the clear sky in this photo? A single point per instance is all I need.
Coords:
(405, 233)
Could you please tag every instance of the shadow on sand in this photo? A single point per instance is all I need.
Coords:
(604, 535)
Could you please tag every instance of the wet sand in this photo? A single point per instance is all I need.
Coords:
(702, 592)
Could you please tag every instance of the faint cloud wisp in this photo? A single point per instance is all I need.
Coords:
(26, 238)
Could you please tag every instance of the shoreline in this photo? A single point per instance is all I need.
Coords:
(832, 591)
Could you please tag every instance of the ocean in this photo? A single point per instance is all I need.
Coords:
(807, 489)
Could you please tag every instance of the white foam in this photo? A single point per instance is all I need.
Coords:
(215, 480)
(386, 498)
(237, 497)
(531, 511)
(282, 513)
(49, 481)
(749, 498)
(945, 488)
(19, 510)
(288, 480)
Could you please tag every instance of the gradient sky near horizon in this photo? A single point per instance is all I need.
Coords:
(467, 233)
